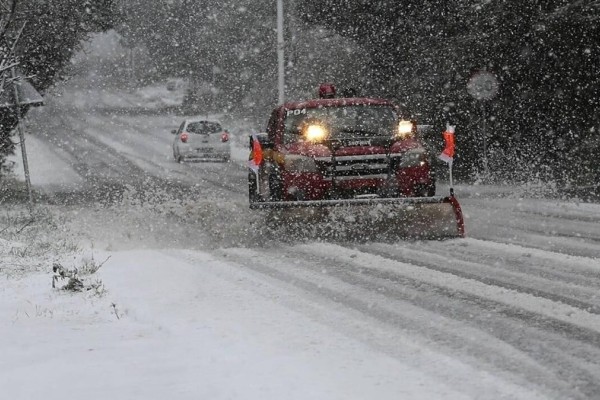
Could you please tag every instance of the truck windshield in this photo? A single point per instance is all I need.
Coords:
(347, 122)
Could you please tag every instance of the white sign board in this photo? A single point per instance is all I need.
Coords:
(483, 86)
(27, 95)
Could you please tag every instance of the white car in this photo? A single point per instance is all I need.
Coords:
(201, 140)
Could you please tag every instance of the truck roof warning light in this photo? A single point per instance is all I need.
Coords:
(326, 91)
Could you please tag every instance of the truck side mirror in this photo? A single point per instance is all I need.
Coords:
(264, 141)
(267, 144)
(173, 131)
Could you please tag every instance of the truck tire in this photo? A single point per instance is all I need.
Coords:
(275, 186)
(430, 190)
(427, 190)
(253, 196)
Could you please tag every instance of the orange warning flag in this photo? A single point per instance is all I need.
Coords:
(448, 152)
(257, 153)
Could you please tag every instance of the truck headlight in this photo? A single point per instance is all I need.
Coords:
(298, 163)
(405, 129)
(413, 158)
(315, 133)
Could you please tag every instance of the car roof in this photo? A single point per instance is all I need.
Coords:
(187, 121)
(337, 102)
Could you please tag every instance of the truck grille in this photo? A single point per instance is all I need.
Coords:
(372, 166)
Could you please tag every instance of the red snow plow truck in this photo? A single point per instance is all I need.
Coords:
(353, 161)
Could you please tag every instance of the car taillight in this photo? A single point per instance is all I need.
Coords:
(224, 137)
(184, 137)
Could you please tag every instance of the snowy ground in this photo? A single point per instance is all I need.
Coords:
(191, 330)
(197, 302)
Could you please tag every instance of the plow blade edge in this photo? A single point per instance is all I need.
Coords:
(421, 217)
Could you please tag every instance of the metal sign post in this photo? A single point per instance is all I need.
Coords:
(486, 168)
(22, 139)
(22, 94)
(483, 86)
(280, 55)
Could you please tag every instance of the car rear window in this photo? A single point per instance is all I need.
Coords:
(204, 127)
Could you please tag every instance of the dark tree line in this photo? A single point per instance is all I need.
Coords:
(545, 54)
(52, 31)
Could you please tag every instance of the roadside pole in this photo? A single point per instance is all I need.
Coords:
(486, 167)
(280, 55)
(22, 139)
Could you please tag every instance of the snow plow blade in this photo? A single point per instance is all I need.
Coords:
(419, 217)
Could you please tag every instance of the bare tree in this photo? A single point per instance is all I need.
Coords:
(7, 62)
(7, 10)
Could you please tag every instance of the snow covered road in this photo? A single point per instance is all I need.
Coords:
(202, 303)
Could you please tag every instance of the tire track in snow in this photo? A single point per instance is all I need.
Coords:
(510, 235)
(389, 325)
(584, 232)
(217, 174)
(555, 310)
(109, 171)
(569, 229)
(549, 210)
(570, 337)
(469, 326)
(573, 269)
(582, 294)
